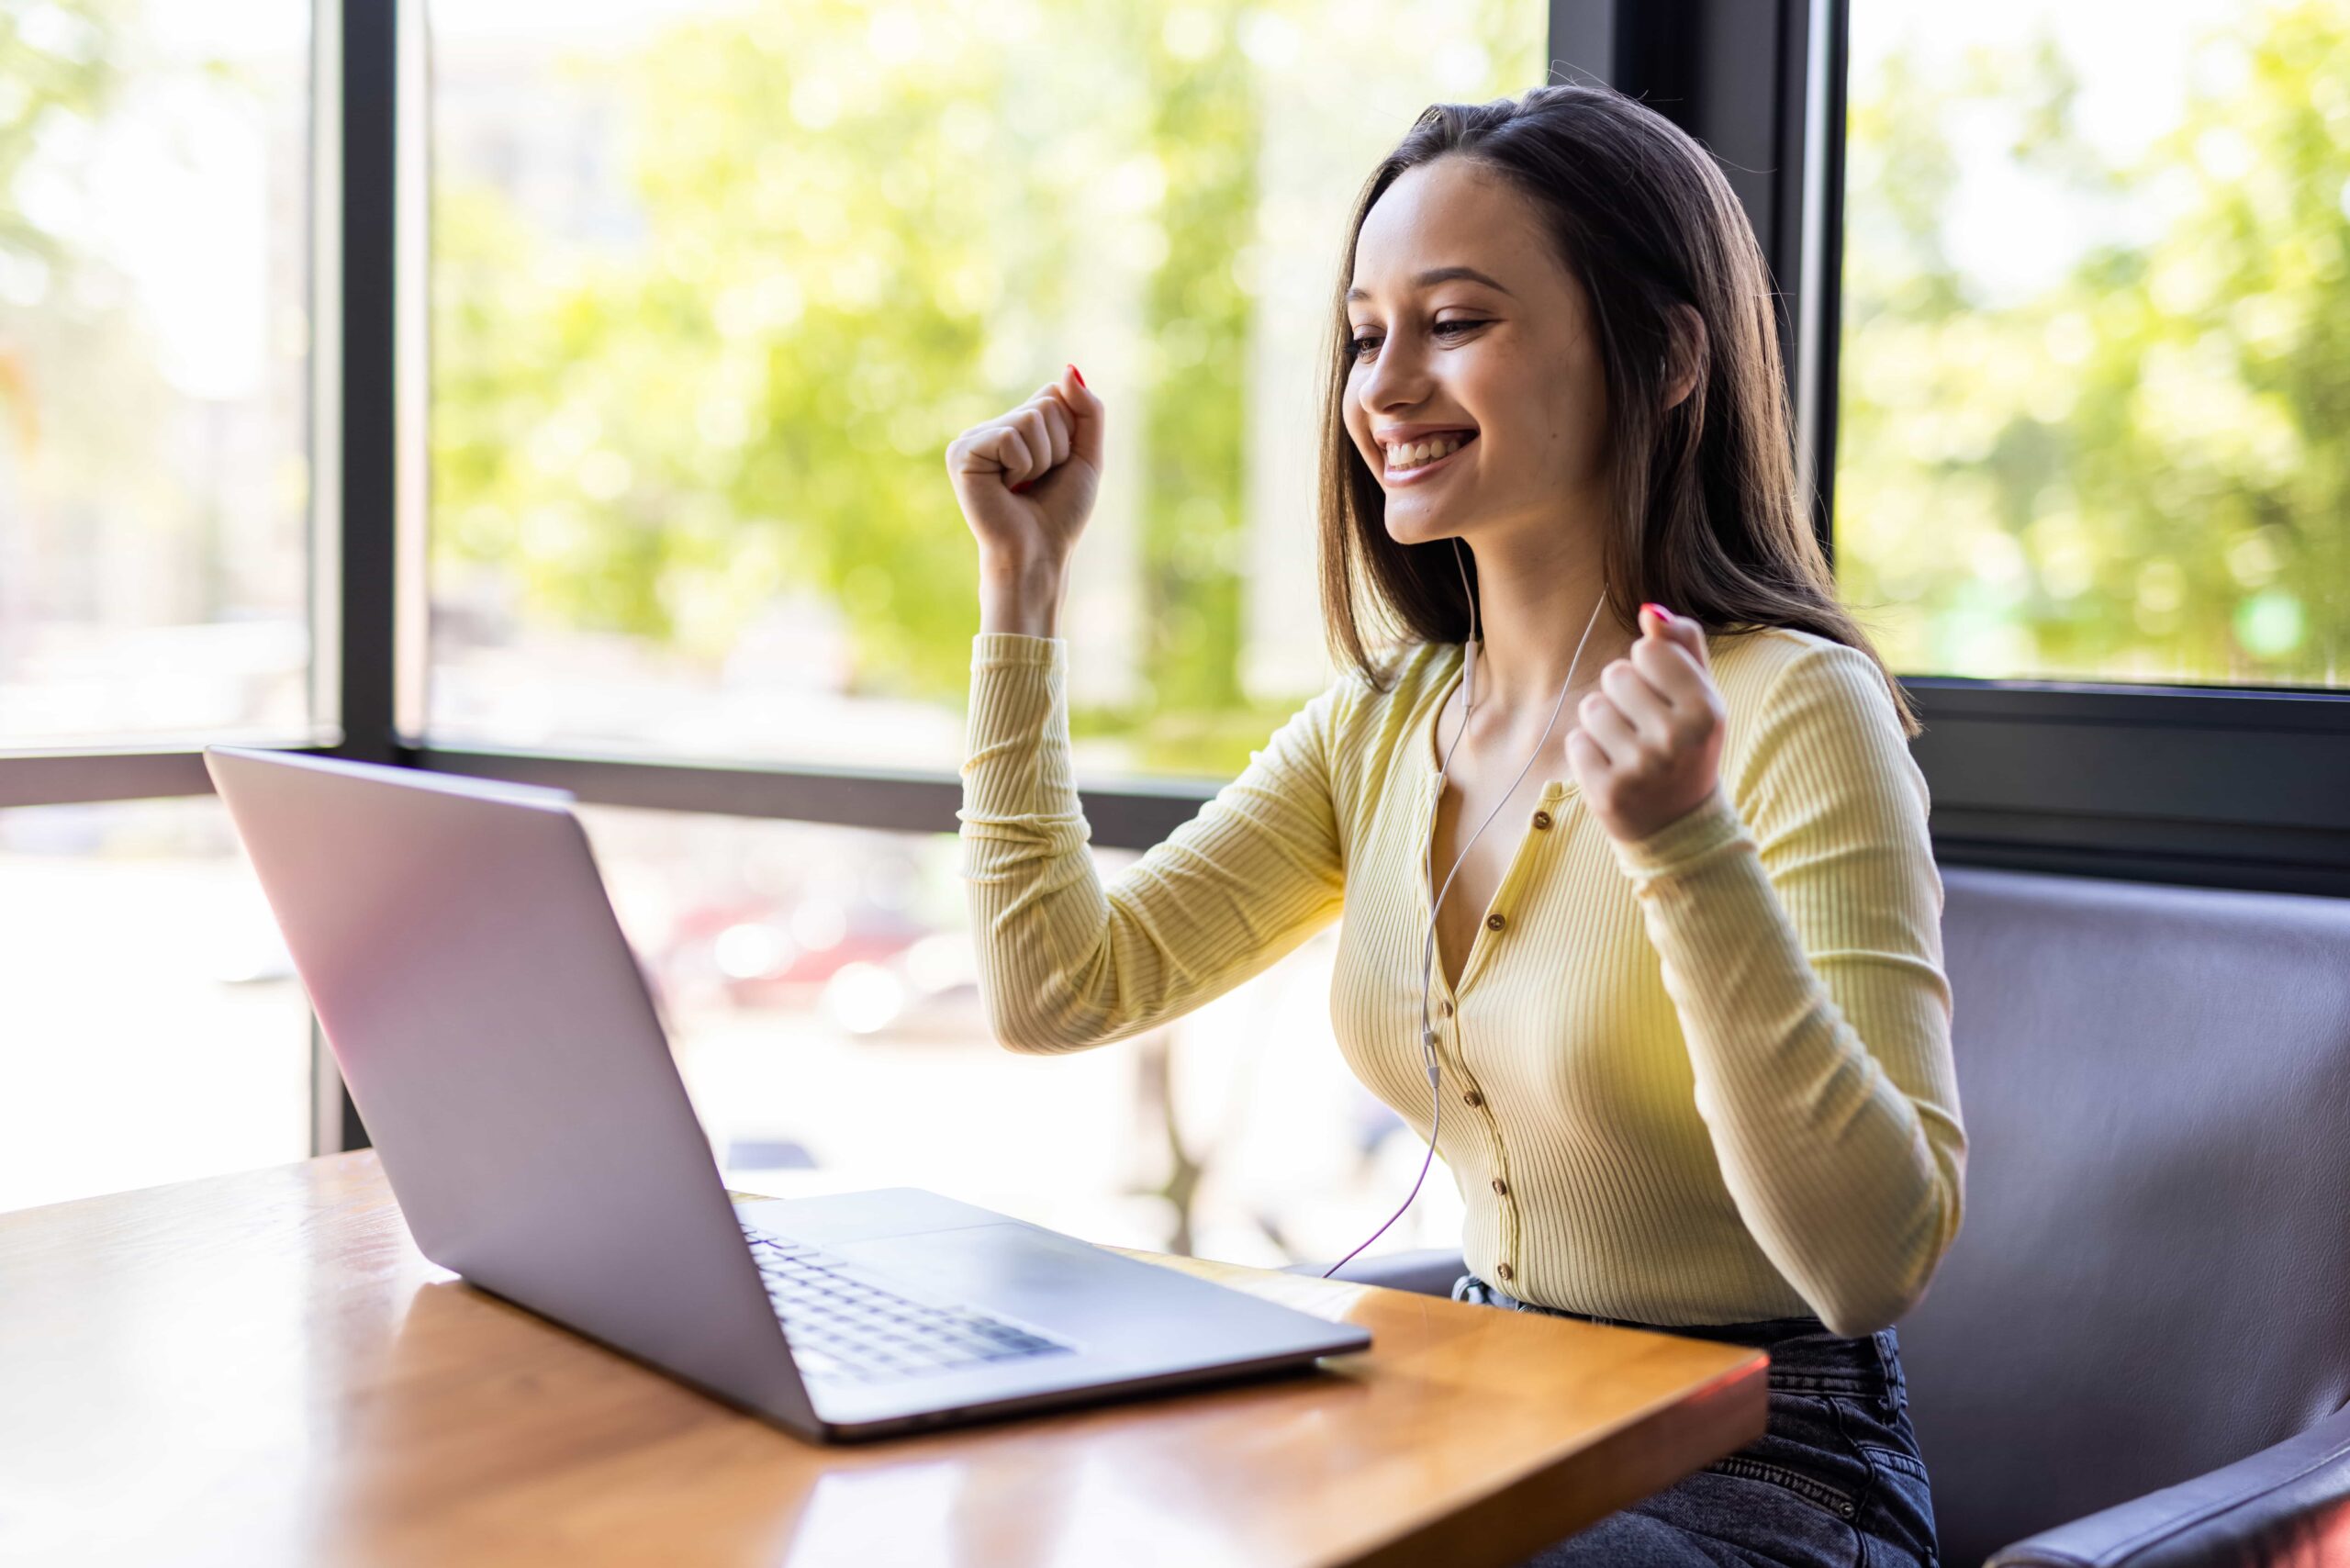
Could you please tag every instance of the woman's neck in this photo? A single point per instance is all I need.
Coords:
(1533, 608)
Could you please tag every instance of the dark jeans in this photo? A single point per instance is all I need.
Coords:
(1835, 1479)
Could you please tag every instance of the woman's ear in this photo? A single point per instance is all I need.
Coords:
(1685, 362)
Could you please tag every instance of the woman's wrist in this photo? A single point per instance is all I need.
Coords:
(1680, 843)
(1021, 596)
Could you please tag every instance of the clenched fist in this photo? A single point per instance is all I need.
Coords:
(1027, 479)
(1649, 749)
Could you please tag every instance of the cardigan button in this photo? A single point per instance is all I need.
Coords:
(1444, 1009)
(1495, 923)
(1503, 1272)
(1473, 1099)
(1501, 1188)
(1541, 821)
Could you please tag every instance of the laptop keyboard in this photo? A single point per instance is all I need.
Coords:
(845, 1328)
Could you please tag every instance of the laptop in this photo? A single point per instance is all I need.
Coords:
(497, 1038)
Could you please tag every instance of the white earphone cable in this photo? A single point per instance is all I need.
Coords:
(1428, 1056)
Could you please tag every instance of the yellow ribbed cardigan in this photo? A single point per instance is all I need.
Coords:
(1702, 1078)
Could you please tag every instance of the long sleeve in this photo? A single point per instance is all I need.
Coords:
(1797, 916)
(1065, 962)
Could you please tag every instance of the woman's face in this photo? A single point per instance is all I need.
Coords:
(1469, 332)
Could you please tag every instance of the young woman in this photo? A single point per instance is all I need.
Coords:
(1679, 1024)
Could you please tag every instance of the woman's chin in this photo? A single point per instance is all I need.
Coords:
(1419, 525)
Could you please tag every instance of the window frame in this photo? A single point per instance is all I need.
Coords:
(2223, 786)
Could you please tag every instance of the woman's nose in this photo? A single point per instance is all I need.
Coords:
(1397, 378)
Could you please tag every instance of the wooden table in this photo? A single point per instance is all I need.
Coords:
(261, 1369)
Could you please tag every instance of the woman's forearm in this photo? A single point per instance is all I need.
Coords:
(1824, 1077)
(1067, 963)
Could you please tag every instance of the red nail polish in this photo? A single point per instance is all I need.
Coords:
(1022, 486)
(1661, 613)
(1078, 374)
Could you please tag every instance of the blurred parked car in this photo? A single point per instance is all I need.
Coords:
(868, 970)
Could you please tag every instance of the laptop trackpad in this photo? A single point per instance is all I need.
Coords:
(1055, 1282)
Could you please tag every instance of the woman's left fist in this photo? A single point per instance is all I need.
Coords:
(1648, 746)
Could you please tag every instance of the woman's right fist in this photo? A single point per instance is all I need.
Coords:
(1027, 479)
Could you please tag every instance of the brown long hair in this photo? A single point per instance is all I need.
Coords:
(1707, 520)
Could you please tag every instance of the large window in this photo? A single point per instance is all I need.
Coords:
(713, 285)
(712, 288)
(154, 357)
(591, 362)
(2095, 339)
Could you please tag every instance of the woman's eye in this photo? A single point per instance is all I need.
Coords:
(1357, 347)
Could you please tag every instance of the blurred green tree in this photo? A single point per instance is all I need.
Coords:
(846, 255)
(2142, 472)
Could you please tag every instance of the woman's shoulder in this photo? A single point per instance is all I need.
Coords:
(1797, 696)
(1768, 672)
(1369, 717)
(1396, 679)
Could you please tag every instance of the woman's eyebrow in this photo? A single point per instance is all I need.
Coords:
(1435, 275)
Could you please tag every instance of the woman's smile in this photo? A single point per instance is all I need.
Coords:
(1408, 462)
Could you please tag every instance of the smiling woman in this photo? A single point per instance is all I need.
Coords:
(1688, 1011)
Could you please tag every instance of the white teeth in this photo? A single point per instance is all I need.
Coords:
(1411, 454)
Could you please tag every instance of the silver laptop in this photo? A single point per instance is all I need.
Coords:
(498, 1041)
